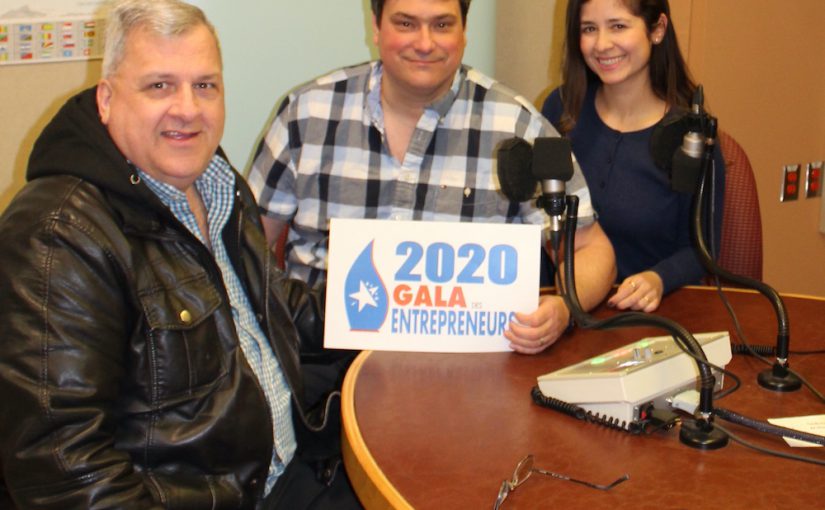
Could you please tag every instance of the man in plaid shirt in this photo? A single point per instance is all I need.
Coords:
(412, 136)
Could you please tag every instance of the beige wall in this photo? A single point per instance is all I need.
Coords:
(763, 73)
(762, 70)
(529, 35)
(25, 112)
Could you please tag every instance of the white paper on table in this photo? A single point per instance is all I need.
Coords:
(813, 424)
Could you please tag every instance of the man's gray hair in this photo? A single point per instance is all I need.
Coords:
(166, 18)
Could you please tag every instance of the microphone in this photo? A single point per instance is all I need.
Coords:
(686, 168)
(666, 138)
(514, 159)
(549, 161)
(552, 165)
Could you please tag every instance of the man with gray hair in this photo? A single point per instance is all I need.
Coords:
(151, 353)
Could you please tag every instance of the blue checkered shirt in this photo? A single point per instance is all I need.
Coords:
(325, 156)
(217, 190)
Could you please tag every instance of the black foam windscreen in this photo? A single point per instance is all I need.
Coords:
(552, 159)
(686, 171)
(515, 156)
(666, 138)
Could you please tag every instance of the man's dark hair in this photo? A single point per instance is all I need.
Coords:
(378, 10)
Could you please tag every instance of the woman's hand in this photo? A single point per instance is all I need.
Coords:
(641, 291)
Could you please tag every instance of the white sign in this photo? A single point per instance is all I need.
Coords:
(428, 286)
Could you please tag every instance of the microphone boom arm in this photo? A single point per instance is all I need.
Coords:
(778, 378)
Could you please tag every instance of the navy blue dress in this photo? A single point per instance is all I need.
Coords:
(648, 223)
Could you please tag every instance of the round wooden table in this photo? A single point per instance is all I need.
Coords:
(442, 431)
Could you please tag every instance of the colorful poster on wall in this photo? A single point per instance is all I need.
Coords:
(428, 286)
(39, 31)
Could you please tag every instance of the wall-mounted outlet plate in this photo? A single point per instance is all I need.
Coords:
(790, 183)
(822, 205)
(813, 179)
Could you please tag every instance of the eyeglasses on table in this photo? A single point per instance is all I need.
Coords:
(525, 468)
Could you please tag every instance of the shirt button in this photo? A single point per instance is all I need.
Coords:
(185, 316)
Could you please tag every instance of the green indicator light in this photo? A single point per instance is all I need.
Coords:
(644, 343)
(598, 361)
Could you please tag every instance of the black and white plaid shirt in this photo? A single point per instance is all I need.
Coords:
(325, 156)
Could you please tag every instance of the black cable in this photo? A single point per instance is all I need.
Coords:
(769, 350)
(583, 414)
(775, 453)
(745, 346)
(767, 427)
(747, 349)
(808, 385)
(737, 383)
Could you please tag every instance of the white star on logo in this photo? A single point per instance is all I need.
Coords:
(364, 297)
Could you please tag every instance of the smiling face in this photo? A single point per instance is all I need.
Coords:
(164, 104)
(616, 44)
(421, 44)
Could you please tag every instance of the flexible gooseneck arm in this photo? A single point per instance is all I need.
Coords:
(778, 378)
(702, 436)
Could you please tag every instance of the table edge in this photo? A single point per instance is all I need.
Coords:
(369, 482)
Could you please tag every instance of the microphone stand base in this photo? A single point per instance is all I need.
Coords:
(779, 379)
(702, 435)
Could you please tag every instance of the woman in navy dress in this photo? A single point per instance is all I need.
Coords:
(623, 75)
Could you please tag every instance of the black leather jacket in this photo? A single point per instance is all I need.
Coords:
(122, 380)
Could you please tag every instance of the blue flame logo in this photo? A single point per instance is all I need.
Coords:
(365, 294)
